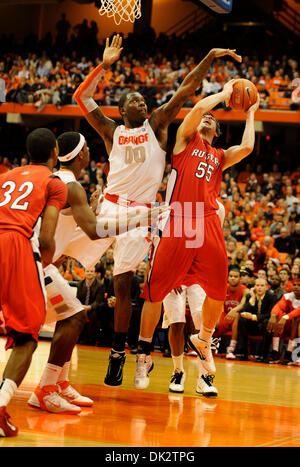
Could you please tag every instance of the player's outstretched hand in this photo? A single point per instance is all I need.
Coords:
(94, 200)
(231, 52)
(227, 90)
(113, 51)
(150, 217)
(255, 106)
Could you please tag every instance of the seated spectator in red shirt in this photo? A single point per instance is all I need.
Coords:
(258, 255)
(245, 174)
(284, 322)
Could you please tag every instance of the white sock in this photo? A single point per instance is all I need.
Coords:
(232, 344)
(205, 333)
(178, 362)
(145, 339)
(50, 375)
(64, 374)
(290, 346)
(7, 390)
(275, 343)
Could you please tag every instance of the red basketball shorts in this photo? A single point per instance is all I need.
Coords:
(175, 262)
(22, 298)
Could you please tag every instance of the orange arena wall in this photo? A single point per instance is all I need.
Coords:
(275, 116)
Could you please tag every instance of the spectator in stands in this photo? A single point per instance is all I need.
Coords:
(290, 197)
(258, 255)
(284, 322)
(235, 299)
(90, 293)
(242, 232)
(285, 283)
(274, 283)
(108, 259)
(211, 87)
(296, 238)
(247, 277)
(264, 94)
(271, 251)
(240, 256)
(285, 243)
(254, 319)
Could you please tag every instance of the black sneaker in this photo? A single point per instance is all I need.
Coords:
(274, 357)
(287, 358)
(114, 375)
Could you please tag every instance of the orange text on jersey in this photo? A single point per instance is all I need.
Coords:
(133, 139)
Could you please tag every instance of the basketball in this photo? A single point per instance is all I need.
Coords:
(244, 95)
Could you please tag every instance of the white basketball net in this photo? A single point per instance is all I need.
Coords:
(121, 10)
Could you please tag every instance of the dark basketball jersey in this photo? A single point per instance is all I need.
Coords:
(196, 176)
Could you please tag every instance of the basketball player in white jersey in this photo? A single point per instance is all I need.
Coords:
(137, 159)
(54, 392)
(174, 317)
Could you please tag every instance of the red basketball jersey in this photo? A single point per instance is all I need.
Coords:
(233, 299)
(24, 194)
(196, 176)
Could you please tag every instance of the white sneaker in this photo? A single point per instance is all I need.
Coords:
(47, 398)
(71, 395)
(143, 367)
(177, 382)
(205, 386)
(203, 349)
(230, 355)
(295, 362)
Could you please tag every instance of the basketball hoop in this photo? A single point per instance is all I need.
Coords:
(121, 10)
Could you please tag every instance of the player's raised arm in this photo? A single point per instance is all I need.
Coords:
(192, 120)
(165, 114)
(235, 154)
(84, 93)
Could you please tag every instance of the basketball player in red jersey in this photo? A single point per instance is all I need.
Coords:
(235, 299)
(137, 159)
(191, 247)
(30, 201)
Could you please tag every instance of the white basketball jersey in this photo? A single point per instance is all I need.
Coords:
(66, 224)
(137, 164)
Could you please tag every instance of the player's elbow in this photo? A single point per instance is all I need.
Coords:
(246, 150)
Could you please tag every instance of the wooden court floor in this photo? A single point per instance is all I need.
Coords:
(258, 405)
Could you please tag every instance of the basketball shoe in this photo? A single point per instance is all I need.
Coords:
(203, 350)
(229, 353)
(47, 398)
(71, 395)
(177, 382)
(205, 386)
(7, 429)
(144, 366)
(274, 357)
(114, 375)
